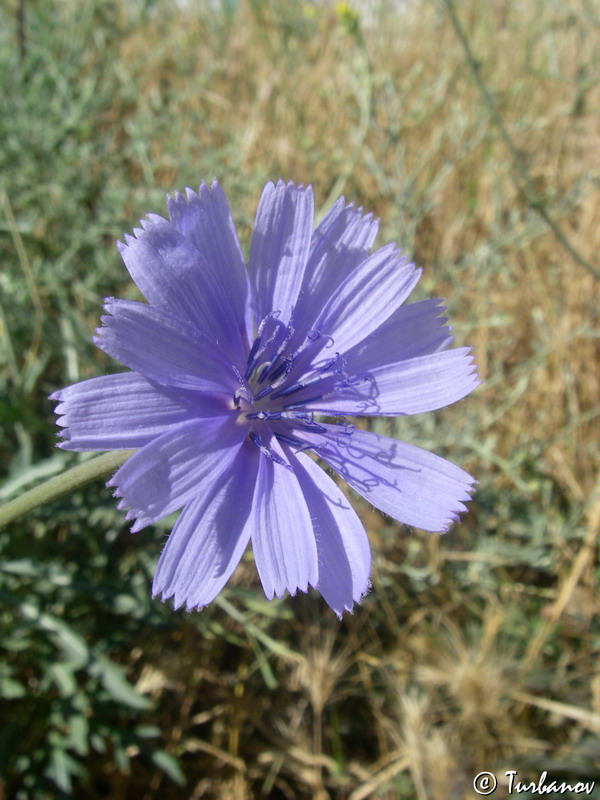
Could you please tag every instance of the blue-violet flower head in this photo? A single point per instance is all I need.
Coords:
(241, 376)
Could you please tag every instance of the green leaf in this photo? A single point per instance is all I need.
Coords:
(169, 765)
(116, 684)
(64, 679)
(121, 757)
(30, 473)
(147, 731)
(78, 734)
(10, 689)
(71, 642)
(58, 770)
(125, 604)
(21, 566)
(98, 743)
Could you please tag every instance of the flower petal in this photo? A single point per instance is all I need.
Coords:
(413, 330)
(341, 241)
(410, 484)
(173, 275)
(163, 347)
(283, 542)
(342, 544)
(165, 474)
(209, 537)
(205, 220)
(420, 384)
(367, 297)
(280, 247)
(123, 411)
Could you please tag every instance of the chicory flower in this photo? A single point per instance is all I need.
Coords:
(240, 377)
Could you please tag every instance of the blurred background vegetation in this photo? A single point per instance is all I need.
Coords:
(471, 128)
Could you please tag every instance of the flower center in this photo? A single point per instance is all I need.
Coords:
(285, 372)
(279, 375)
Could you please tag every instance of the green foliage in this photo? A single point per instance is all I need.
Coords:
(68, 606)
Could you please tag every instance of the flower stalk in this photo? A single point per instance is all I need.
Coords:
(62, 484)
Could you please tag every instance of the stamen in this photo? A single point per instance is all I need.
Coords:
(266, 451)
(308, 420)
(329, 364)
(251, 357)
(243, 391)
(255, 345)
(291, 440)
(259, 348)
(263, 393)
(263, 415)
(255, 439)
(296, 387)
(314, 426)
(286, 340)
(270, 315)
(286, 365)
(303, 403)
(314, 334)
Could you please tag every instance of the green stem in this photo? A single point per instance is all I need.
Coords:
(62, 484)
